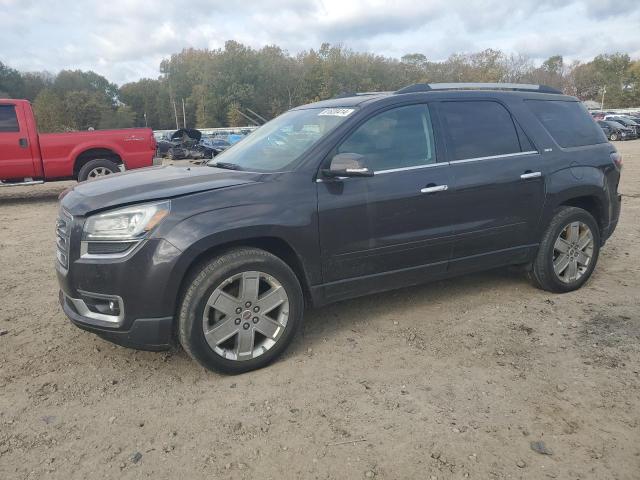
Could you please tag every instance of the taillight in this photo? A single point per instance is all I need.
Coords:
(616, 158)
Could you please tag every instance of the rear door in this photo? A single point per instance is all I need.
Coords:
(392, 226)
(498, 179)
(16, 160)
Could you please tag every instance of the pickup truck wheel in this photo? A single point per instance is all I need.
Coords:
(568, 252)
(240, 311)
(97, 168)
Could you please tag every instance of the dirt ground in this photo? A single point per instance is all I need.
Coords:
(454, 379)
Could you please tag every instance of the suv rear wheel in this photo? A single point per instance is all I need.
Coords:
(568, 252)
(240, 311)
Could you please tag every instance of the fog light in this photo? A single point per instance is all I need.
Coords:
(105, 305)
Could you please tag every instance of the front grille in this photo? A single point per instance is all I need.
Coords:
(63, 232)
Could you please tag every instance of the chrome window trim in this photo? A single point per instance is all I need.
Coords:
(493, 157)
(437, 164)
(404, 169)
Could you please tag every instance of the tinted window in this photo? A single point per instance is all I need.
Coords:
(568, 123)
(525, 143)
(398, 138)
(478, 129)
(8, 119)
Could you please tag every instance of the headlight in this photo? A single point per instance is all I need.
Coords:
(130, 223)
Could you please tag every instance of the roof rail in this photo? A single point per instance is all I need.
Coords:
(361, 94)
(521, 87)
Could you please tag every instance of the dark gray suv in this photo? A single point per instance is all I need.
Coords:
(333, 200)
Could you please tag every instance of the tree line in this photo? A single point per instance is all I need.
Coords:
(217, 86)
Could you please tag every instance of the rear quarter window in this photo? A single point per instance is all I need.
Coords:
(8, 119)
(569, 123)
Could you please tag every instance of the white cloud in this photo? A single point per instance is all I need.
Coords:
(126, 39)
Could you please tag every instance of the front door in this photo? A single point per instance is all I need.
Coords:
(16, 161)
(498, 180)
(393, 228)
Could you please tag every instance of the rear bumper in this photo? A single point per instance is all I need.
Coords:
(608, 231)
(153, 334)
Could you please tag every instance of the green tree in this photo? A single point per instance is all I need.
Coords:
(121, 117)
(84, 109)
(11, 84)
(50, 113)
(90, 82)
(34, 83)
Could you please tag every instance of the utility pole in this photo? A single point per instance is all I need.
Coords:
(145, 119)
(184, 115)
(175, 112)
(604, 90)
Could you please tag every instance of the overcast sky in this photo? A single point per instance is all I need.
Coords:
(125, 40)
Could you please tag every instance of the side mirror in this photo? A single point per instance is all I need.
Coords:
(347, 165)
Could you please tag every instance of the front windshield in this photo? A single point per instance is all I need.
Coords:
(279, 143)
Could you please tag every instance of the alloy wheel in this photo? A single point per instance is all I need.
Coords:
(245, 315)
(573, 251)
(99, 172)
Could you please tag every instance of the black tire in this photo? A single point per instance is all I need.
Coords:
(98, 163)
(613, 137)
(542, 272)
(205, 281)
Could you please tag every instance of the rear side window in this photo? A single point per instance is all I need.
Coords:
(569, 123)
(8, 119)
(478, 129)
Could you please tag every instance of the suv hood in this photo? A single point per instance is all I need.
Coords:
(149, 184)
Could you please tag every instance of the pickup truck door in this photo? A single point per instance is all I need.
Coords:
(16, 158)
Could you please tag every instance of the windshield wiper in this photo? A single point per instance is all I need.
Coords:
(228, 166)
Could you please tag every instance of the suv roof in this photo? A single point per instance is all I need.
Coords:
(465, 89)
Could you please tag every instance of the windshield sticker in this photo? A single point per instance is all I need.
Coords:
(336, 112)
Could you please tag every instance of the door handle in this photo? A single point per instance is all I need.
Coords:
(528, 175)
(23, 142)
(434, 189)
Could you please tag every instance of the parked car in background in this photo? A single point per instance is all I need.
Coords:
(27, 157)
(333, 200)
(616, 131)
(626, 121)
(190, 143)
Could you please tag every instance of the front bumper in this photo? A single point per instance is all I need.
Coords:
(153, 334)
(140, 285)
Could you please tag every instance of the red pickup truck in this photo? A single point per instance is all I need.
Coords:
(27, 157)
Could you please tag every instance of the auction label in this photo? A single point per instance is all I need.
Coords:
(336, 112)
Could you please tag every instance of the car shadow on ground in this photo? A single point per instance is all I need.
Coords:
(331, 320)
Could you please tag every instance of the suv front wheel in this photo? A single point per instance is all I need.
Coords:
(568, 252)
(240, 311)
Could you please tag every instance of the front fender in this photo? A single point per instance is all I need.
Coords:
(204, 232)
